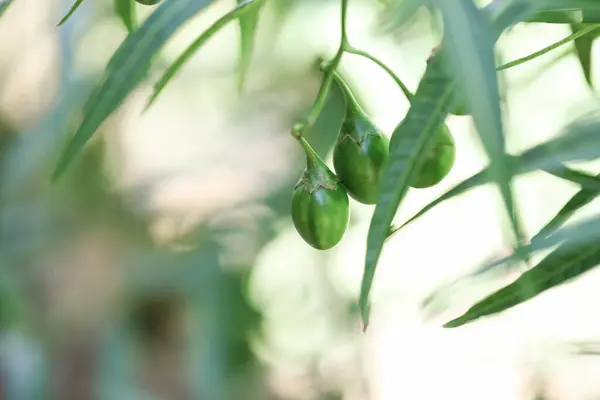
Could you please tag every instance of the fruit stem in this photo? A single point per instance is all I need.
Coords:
(311, 156)
(407, 93)
(350, 99)
(327, 69)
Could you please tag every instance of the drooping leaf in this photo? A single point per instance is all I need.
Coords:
(578, 201)
(565, 263)
(578, 143)
(126, 11)
(127, 68)
(411, 139)
(583, 47)
(70, 12)
(237, 12)
(248, 22)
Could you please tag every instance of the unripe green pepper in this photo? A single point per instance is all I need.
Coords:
(361, 152)
(438, 162)
(148, 2)
(320, 206)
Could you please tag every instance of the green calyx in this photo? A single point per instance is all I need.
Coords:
(438, 162)
(320, 206)
(361, 152)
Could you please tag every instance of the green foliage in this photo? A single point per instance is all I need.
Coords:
(460, 77)
(127, 68)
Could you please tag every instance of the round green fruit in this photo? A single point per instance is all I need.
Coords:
(459, 107)
(320, 206)
(360, 156)
(148, 2)
(438, 162)
(321, 217)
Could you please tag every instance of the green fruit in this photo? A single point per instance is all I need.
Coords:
(148, 2)
(361, 152)
(459, 106)
(438, 162)
(360, 156)
(320, 206)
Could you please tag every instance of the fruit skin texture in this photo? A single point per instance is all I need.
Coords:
(438, 162)
(148, 2)
(360, 156)
(459, 106)
(320, 206)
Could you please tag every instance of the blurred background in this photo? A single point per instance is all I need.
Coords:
(165, 264)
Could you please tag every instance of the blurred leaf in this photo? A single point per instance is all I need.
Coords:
(469, 45)
(398, 14)
(582, 179)
(4, 5)
(411, 139)
(126, 11)
(71, 11)
(248, 22)
(126, 69)
(563, 264)
(237, 12)
(578, 201)
(583, 46)
(580, 142)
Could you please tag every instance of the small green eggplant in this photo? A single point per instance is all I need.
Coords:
(148, 2)
(361, 151)
(438, 162)
(320, 206)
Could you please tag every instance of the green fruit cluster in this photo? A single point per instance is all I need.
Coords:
(320, 206)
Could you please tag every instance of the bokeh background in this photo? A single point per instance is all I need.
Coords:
(165, 264)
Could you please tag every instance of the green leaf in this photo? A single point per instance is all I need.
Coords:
(578, 201)
(469, 45)
(237, 12)
(126, 11)
(583, 47)
(71, 11)
(582, 179)
(411, 139)
(578, 143)
(248, 22)
(127, 68)
(565, 263)
(4, 6)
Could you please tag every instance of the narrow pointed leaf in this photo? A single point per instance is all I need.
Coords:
(411, 139)
(583, 47)
(127, 68)
(582, 179)
(70, 12)
(578, 201)
(469, 43)
(237, 12)
(248, 23)
(578, 143)
(565, 263)
(126, 11)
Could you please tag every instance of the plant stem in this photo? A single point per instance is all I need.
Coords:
(548, 49)
(353, 50)
(347, 92)
(299, 129)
